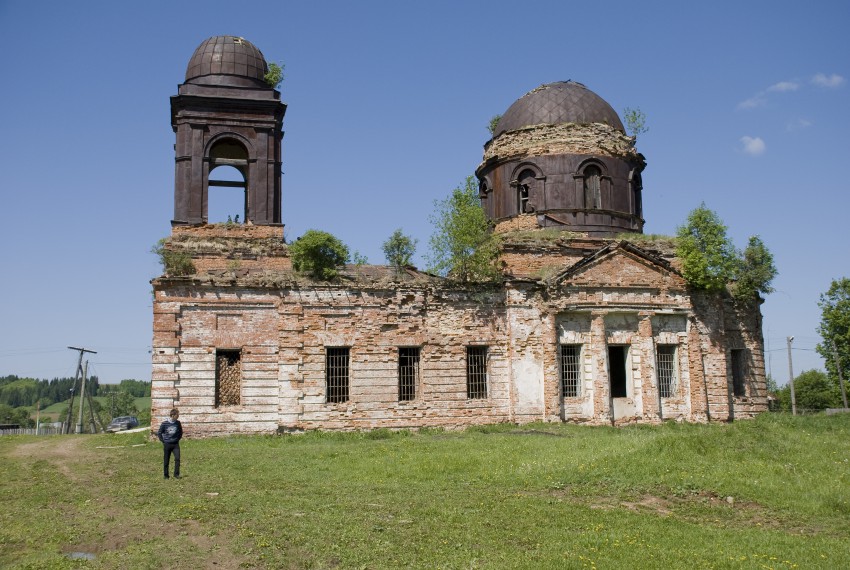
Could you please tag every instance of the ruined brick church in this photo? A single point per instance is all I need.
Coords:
(585, 325)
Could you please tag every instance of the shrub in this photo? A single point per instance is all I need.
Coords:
(174, 263)
(274, 76)
(318, 254)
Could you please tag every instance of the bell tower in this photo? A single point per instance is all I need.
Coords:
(225, 114)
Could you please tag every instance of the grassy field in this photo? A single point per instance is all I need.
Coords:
(768, 493)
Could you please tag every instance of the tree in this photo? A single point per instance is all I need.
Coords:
(813, 390)
(121, 404)
(756, 271)
(358, 258)
(12, 415)
(834, 328)
(709, 259)
(635, 121)
(462, 245)
(399, 249)
(22, 392)
(318, 254)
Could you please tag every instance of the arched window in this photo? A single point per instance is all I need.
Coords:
(637, 191)
(482, 189)
(227, 196)
(525, 186)
(225, 201)
(593, 187)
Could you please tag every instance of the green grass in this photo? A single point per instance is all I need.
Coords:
(532, 496)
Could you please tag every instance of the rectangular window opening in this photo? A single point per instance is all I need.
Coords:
(570, 369)
(739, 372)
(336, 374)
(408, 373)
(617, 370)
(228, 378)
(665, 360)
(476, 372)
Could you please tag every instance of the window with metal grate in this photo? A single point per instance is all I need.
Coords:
(570, 368)
(476, 372)
(336, 374)
(665, 363)
(408, 372)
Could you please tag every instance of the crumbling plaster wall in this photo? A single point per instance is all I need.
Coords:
(284, 328)
(283, 334)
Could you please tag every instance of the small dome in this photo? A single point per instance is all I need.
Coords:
(560, 102)
(226, 60)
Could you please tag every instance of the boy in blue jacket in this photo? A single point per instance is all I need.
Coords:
(170, 432)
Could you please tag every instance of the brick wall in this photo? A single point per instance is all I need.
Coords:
(282, 332)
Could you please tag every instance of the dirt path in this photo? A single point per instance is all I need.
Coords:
(61, 451)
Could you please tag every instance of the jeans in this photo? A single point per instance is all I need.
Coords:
(168, 449)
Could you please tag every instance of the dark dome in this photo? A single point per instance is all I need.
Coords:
(226, 56)
(560, 102)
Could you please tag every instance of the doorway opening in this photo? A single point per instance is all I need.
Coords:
(617, 358)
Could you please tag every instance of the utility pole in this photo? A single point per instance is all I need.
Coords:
(840, 374)
(82, 398)
(789, 340)
(82, 388)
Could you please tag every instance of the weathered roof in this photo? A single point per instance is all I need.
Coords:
(226, 56)
(559, 102)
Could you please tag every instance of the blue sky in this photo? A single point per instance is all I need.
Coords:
(748, 107)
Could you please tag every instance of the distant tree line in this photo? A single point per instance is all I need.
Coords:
(18, 392)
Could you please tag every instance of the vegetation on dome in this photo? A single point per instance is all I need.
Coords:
(274, 76)
(494, 122)
(635, 120)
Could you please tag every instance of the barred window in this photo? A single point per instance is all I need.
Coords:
(336, 374)
(408, 373)
(228, 377)
(665, 361)
(739, 372)
(476, 372)
(570, 370)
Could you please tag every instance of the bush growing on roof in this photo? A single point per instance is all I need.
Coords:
(318, 254)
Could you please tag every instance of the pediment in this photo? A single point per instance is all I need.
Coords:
(623, 265)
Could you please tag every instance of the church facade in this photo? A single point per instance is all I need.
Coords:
(584, 326)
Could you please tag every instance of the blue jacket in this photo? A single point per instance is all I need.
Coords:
(170, 431)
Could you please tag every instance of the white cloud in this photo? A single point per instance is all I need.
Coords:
(798, 125)
(822, 80)
(760, 98)
(752, 102)
(784, 86)
(753, 146)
